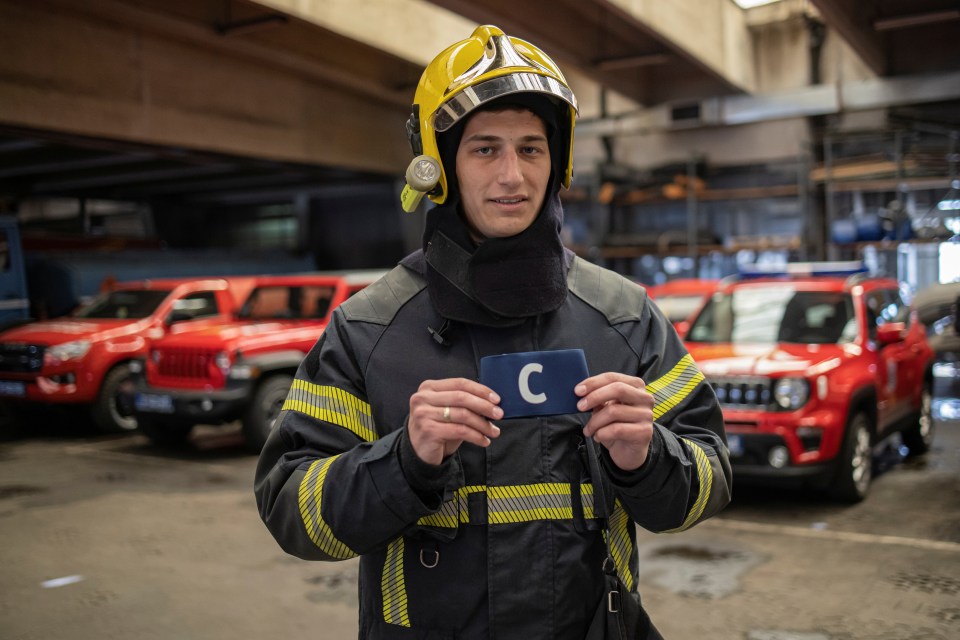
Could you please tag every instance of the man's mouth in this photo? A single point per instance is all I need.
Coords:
(516, 200)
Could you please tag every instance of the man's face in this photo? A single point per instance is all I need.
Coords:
(503, 167)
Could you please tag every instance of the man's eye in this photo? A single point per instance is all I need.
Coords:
(483, 151)
(532, 150)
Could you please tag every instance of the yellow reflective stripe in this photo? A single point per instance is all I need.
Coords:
(393, 587)
(523, 503)
(311, 499)
(516, 503)
(669, 390)
(705, 475)
(586, 499)
(454, 511)
(332, 405)
(620, 544)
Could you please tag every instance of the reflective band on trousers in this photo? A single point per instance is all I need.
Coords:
(516, 503)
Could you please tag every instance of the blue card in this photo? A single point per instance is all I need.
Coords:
(535, 383)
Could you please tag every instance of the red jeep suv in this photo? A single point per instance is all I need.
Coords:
(240, 368)
(813, 368)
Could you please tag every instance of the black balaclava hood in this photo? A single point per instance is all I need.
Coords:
(501, 281)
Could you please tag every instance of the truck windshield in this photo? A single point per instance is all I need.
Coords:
(124, 304)
(776, 313)
(287, 302)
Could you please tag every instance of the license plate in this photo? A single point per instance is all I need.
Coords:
(735, 444)
(153, 403)
(13, 388)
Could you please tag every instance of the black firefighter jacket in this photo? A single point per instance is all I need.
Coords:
(512, 549)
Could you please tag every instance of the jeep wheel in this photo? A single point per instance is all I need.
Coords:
(855, 470)
(108, 410)
(919, 437)
(262, 413)
(169, 435)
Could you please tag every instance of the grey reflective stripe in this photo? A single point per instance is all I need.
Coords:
(393, 587)
(516, 503)
(524, 503)
(620, 544)
(333, 405)
(311, 501)
(673, 387)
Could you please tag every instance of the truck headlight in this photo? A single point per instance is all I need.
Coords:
(67, 351)
(222, 361)
(791, 393)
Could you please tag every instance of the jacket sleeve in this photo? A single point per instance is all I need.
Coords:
(329, 483)
(686, 477)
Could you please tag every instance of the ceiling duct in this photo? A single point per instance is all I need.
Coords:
(824, 99)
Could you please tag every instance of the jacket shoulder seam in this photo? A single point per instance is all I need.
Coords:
(380, 302)
(618, 299)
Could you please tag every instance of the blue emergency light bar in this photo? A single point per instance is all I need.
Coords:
(842, 269)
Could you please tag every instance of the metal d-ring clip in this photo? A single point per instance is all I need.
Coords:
(608, 565)
(436, 558)
(613, 601)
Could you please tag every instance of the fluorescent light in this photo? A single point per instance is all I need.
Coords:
(749, 4)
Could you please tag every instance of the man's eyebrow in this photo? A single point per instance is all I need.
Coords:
(487, 137)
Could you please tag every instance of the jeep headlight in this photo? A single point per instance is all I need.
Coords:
(222, 362)
(791, 393)
(67, 351)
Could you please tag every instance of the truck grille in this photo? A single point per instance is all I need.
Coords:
(21, 358)
(743, 392)
(194, 364)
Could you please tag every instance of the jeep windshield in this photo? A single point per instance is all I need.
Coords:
(124, 304)
(776, 313)
(679, 306)
(287, 303)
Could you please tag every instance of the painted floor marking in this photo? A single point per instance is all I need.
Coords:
(842, 536)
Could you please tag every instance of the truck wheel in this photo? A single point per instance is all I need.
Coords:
(919, 437)
(855, 470)
(170, 435)
(262, 413)
(109, 412)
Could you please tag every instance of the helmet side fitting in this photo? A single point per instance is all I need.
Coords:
(486, 66)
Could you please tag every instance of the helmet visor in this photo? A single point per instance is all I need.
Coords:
(448, 113)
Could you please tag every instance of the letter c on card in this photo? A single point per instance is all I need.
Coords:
(525, 393)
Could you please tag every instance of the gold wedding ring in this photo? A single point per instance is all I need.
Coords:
(446, 414)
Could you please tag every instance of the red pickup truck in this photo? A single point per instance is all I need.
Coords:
(241, 368)
(84, 358)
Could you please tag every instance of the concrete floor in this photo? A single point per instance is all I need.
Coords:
(157, 545)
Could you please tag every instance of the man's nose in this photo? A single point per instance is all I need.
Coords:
(510, 172)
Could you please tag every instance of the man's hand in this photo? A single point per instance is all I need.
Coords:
(622, 419)
(446, 413)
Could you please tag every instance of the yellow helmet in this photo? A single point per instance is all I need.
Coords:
(487, 65)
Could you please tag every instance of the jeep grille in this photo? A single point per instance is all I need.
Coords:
(21, 358)
(195, 364)
(743, 392)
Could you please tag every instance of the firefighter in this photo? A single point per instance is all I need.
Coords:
(470, 522)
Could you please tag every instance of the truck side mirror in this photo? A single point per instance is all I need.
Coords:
(890, 332)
